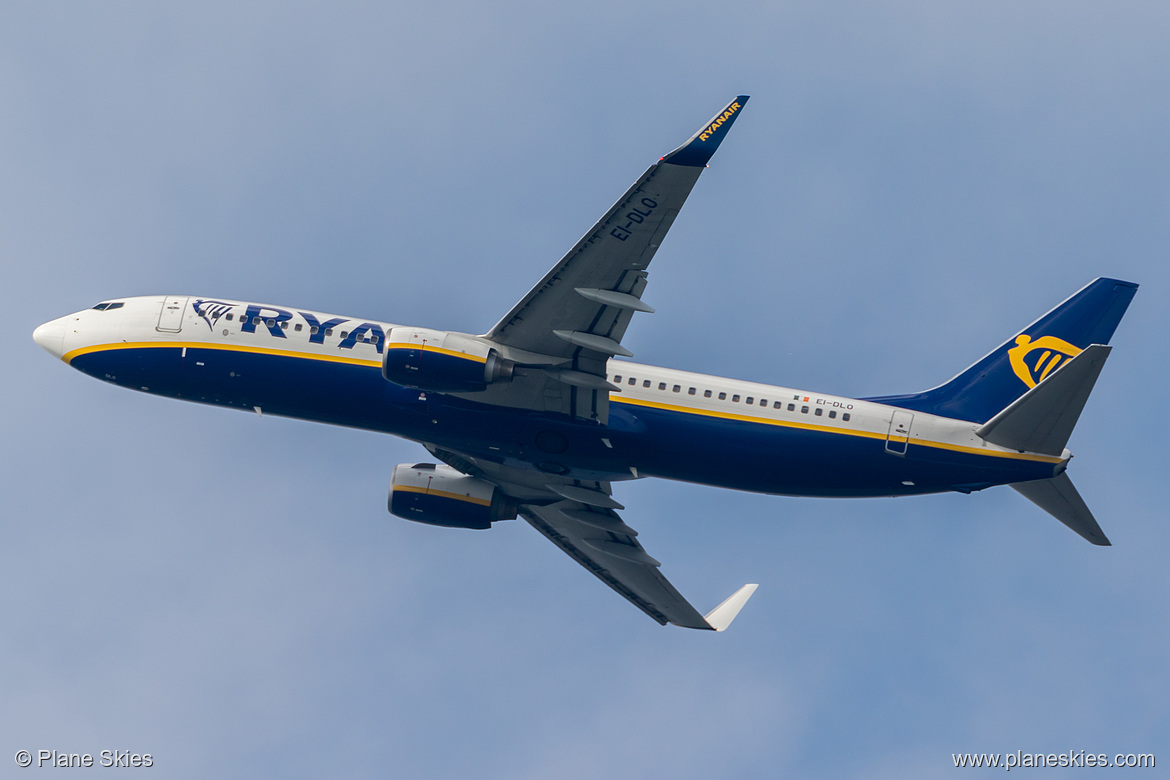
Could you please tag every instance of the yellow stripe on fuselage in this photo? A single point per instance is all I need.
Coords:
(353, 361)
(831, 429)
(69, 356)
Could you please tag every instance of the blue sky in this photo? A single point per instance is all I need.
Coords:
(908, 185)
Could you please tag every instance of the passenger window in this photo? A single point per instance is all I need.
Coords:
(819, 411)
(662, 385)
(776, 404)
(750, 400)
(344, 334)
(845, 417)
(645, 383)
(284, 325)
(763, 402)
(735, 398)
(296, 327)
(255, 320)
(618, 379)
(706, 393)
(675, 389)
(329, 331)
(270, 323)
(229, 318)
(723, 396)
(690, 391)
(792, 407)
(313, 329)
(832, 415)
(632, 381)
(804, 410)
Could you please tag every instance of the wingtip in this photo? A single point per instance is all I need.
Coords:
(701, 146)
(720, 617)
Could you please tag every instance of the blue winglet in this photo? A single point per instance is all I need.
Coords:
(698, 149)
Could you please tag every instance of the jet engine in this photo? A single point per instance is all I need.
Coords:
(442, 361)
(440, 495)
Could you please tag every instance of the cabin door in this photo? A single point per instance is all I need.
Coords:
(899, 436)
(170, 319)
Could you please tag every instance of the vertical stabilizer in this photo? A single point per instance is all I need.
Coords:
(1059, 498)
(1023, 361)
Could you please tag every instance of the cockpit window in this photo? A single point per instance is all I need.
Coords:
(109, 306)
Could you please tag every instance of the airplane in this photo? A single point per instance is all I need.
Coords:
(539, 418)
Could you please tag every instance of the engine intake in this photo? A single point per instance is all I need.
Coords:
(442, 361)
(440, 495)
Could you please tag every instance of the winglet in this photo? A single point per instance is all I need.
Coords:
(720, 617)
(697, 151)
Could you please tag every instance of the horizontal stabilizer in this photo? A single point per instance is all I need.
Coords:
(1042, 419)
(720, 617)
(1059, 498)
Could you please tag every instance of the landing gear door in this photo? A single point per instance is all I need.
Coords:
(170, 319)
(899, 436)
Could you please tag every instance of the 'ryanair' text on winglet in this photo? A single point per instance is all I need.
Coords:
(697, 151)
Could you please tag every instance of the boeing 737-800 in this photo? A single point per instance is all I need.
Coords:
(538, 418)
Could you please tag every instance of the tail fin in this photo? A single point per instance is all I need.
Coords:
(995, 382)
(1059, 498)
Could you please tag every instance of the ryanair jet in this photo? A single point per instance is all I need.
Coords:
(537, 417)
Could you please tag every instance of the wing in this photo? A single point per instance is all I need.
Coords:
(582, 519)
(578, 313)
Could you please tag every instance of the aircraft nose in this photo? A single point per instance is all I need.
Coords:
(51, 337)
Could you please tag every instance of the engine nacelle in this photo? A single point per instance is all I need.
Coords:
(442, 361)
(441, 495)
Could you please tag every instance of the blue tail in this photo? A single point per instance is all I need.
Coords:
(983, 390)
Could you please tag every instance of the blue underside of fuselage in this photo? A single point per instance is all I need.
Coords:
(655, 442)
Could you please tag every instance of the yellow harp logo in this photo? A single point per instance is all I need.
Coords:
(1033, 360)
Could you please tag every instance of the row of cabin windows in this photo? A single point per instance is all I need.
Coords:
(299, 326)
(818, 412)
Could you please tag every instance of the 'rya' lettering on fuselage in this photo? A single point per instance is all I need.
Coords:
(710, 129)
(271, 318)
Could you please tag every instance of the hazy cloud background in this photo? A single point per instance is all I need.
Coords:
(909, 184)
